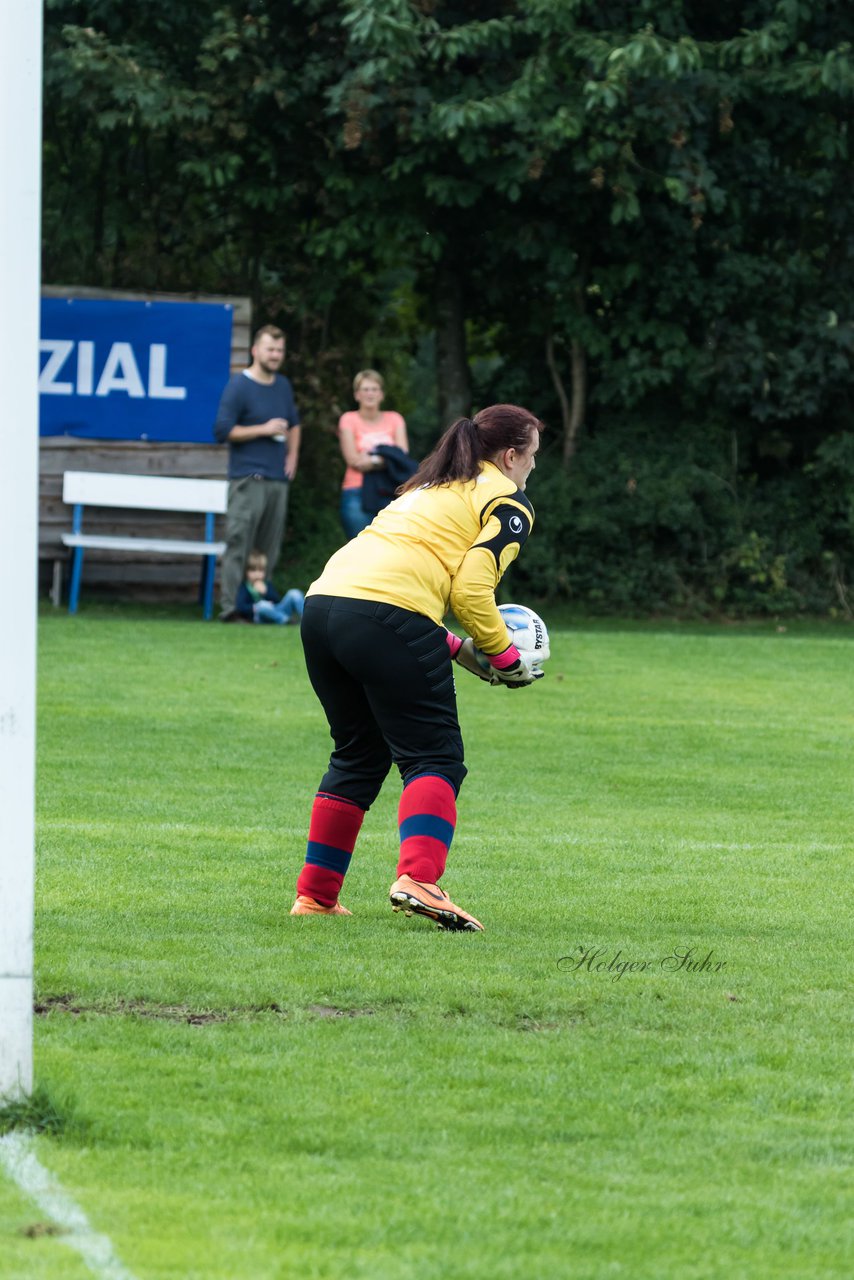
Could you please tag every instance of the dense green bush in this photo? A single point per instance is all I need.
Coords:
(646, 522)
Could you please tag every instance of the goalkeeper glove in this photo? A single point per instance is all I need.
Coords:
(523, 670)
(464, 652)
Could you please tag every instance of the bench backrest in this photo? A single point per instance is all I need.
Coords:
(149, 493)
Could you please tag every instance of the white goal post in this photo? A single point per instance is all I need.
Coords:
(20, 216)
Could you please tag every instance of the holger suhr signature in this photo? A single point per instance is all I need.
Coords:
(679, 959)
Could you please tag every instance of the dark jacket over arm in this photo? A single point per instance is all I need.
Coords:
(378, 487)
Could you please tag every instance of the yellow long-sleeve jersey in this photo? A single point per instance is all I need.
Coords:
(439, 547)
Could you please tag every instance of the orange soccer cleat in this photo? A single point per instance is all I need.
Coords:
(305, 906)
(414, 898)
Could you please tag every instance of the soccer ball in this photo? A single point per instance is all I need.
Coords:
(527, 631)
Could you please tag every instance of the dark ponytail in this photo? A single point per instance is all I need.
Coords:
(469, 442)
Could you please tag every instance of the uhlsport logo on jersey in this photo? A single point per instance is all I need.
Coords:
(122, 370)
(516, 525)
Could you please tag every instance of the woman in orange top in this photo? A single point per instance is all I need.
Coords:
(359, 433)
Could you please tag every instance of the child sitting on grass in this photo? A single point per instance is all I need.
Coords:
(259, 601)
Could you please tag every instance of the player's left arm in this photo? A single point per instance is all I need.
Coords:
(506, 524)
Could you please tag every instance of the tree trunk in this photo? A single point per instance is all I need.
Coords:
(98, 216)
(452, 370)
(579, 399)
(572, 413)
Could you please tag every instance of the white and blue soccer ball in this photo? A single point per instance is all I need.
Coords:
(527, 631)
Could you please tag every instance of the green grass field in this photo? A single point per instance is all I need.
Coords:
(247, 1096)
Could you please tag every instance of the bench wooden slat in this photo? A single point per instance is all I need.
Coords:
(149, 493)
(167, 546)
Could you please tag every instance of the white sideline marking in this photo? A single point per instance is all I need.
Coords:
(19, 1161)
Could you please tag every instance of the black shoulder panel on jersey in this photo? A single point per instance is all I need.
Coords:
(516, 496)
(514, 518)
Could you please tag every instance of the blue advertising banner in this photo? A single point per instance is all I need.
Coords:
(112, 370)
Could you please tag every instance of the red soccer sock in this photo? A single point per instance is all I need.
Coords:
(427, 815)
(332, 834)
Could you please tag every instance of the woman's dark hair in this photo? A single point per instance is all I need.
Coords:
(469, 442)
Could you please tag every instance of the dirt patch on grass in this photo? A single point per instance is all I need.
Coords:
(174, 1013)
(36, 1230)
(556, 1022)
(65, 1004)
(333, 1011)
(148, 1009)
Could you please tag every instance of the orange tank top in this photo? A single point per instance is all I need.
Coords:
(367, 436)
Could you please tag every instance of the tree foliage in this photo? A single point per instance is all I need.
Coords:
(635, 217)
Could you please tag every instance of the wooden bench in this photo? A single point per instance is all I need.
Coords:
(82, 489)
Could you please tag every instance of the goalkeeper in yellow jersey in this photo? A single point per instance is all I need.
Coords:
(379, 658)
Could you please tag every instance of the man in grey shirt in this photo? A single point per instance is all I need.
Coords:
(259, 420)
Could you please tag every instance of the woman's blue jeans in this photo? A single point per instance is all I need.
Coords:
(353, 518)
